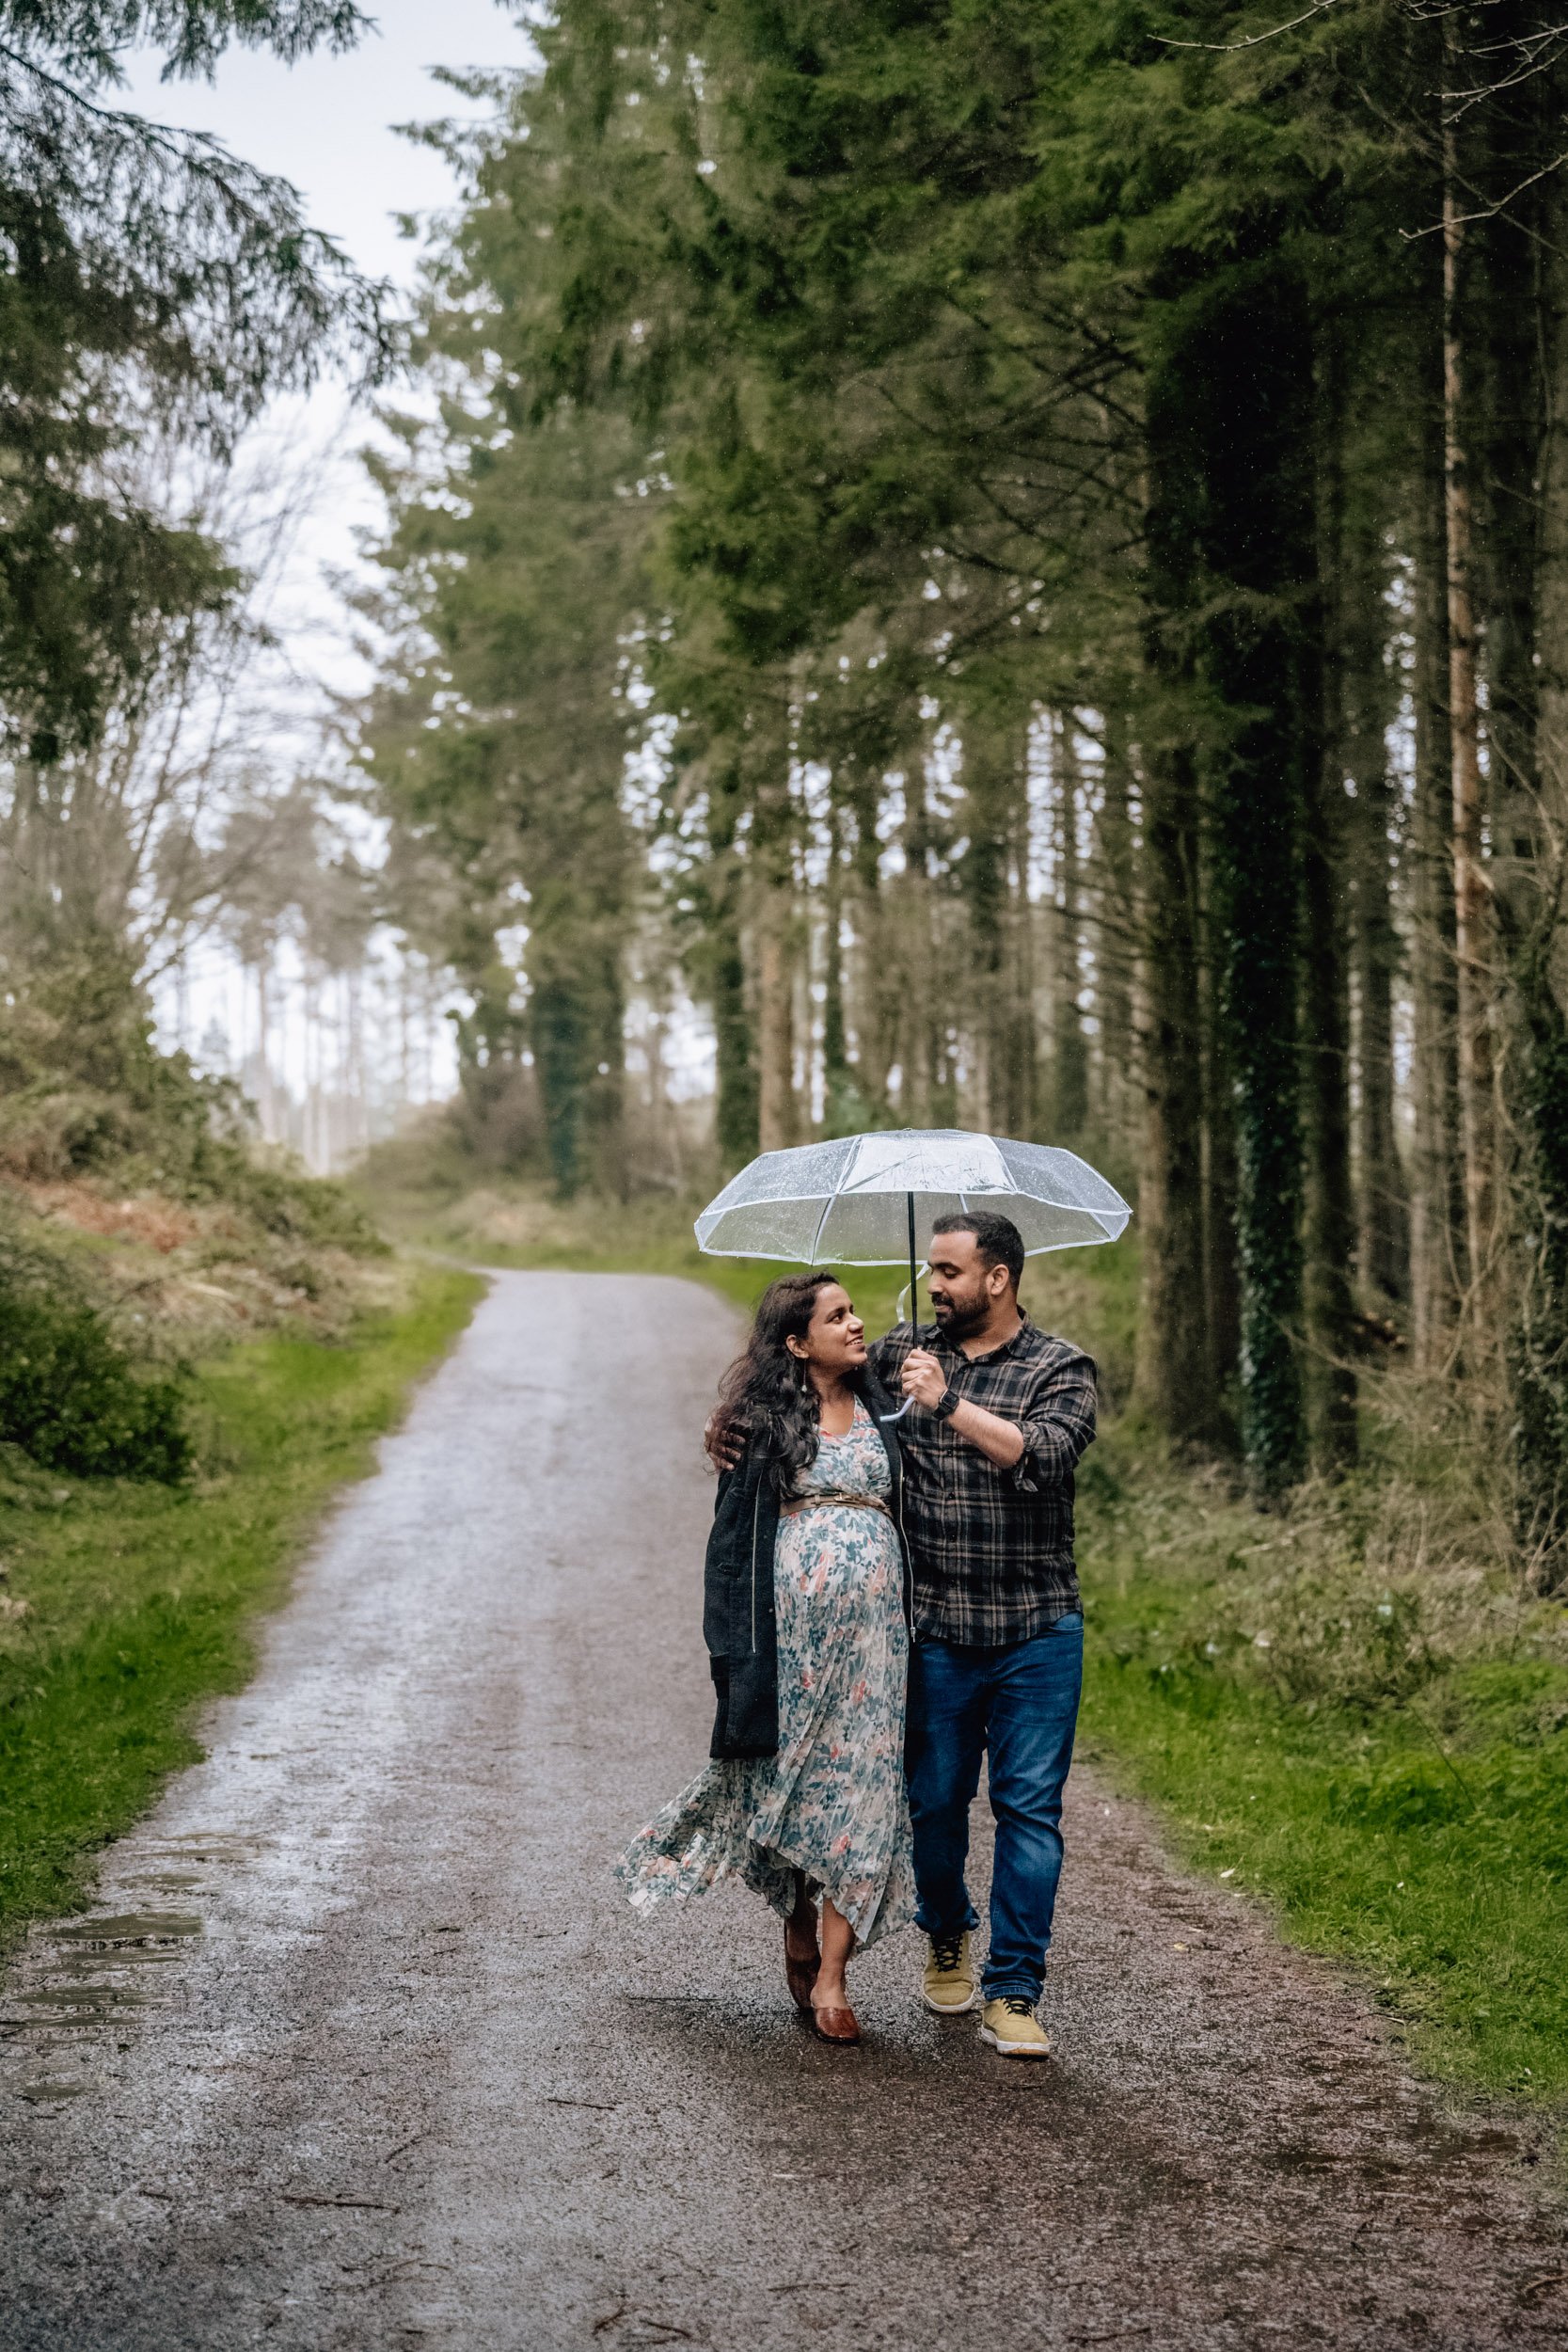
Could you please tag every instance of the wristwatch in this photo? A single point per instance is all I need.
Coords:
(946, 1404)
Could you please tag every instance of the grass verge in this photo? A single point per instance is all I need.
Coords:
(122, 1605)
(1417, 1831)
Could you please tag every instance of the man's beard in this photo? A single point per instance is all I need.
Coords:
(957, 1321)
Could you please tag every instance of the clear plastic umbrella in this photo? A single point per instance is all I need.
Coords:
(860, 1199)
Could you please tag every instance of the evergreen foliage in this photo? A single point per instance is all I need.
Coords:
(148, 274)
(1080, 457)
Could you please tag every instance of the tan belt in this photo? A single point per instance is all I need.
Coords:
(832, 1498)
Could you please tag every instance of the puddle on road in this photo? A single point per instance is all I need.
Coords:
(91, 1955)
(89, 1978)
(74, 2003)
(133, 1935)
(225, 1846)
(88, 1982)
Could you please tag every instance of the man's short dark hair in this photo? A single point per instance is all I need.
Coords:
(997, 1239)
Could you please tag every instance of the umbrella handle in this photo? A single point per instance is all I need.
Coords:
(899, 1315)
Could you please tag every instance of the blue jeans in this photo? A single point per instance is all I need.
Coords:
(1020, 1702)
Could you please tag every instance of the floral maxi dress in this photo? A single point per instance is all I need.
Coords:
(832, 1802)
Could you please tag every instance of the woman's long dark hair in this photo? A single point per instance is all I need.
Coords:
(767, 1392)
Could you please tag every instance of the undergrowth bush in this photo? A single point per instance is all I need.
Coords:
(70, 1395)
(1376, 1592)
(71, 1399)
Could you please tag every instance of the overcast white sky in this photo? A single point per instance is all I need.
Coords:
(327, 123)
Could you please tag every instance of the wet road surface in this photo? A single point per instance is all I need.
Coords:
(360, 2049)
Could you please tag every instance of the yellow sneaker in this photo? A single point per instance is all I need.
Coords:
(948, 1984)
(1011, 2026)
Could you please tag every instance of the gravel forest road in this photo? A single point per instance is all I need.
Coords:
(360, 2049)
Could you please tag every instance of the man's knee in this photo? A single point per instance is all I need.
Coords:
(1028, 1810)
(942, 1760)
(941, 1782)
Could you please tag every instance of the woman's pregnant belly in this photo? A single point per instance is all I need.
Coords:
(835, 1555)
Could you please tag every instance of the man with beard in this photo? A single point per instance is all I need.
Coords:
(1001, 1413)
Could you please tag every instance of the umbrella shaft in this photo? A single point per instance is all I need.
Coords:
(915, 1316)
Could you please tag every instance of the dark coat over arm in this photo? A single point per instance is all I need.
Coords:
(740, 1623)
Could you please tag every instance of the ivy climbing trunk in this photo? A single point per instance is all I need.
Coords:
(1533, 909)
(1174, 1371)
(1249, 372)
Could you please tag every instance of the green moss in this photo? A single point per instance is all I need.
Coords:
(125, 1605)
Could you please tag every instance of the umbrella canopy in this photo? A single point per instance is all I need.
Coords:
(858, 1200)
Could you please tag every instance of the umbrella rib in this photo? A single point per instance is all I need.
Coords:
(816, 1237)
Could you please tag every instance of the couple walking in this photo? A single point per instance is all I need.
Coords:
(888, 1597)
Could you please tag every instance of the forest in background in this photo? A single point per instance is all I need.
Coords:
(1018, 561)
(947, 565)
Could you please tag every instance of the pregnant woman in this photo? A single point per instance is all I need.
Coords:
(804, 1620)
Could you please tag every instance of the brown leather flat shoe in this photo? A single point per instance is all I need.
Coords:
(801, 1975)
(835, 2024)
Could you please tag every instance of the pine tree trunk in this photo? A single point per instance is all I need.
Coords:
(605, 1074)
(1550, 758)
(1071, 1045)
(1384, 1217)
(1533, 903)
(928, 1096)
(993, 879)
(1173, 1380)
(1331, 1228)
(871, 982)
(838, 1077)
(773, 923)
(1473, 942)
(1116, 928)
(718, 972)
(1018, 1111)
(735, 1076)
(266, 1092)
(873, 994)
(1369, 708)
(1437, 1244)
(1221, 1271)
(1251, 378)
(556, 1035)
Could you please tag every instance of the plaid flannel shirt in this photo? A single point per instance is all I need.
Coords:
(991, 1549)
